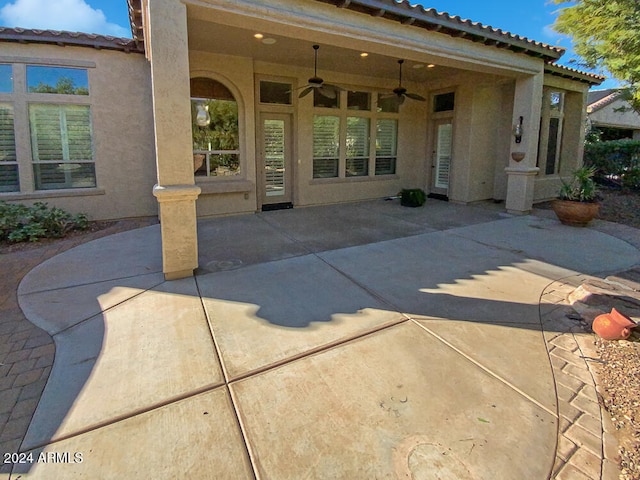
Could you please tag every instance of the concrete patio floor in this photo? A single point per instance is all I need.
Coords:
(350, 341)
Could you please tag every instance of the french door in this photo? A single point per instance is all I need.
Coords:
(442, 156)
(275, 166)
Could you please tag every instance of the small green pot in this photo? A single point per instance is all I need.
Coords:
(412, 197)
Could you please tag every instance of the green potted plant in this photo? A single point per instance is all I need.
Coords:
(578, 203)
(412, 197)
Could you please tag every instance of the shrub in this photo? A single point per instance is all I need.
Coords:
(19, 223)
(414, 197)
(581, 187)
(617, 160)
(631, 179)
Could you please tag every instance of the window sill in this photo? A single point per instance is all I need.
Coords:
(377, 178)
(44, 194)
(224, 186)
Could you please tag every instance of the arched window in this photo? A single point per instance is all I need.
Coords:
(214, 122)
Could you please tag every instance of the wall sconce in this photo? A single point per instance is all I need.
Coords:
(202, 116)
(517, 130)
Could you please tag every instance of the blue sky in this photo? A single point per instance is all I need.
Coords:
(528, 18)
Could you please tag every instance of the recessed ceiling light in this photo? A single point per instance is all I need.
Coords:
(431, 65)
(259, 36)
(418, 66)
(364, 54)
(268, 41)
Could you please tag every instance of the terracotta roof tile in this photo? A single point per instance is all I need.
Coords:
(453, 25)
(601, 99)
(54, 37)
(573, 74)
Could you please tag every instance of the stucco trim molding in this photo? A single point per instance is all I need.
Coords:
(530, 171)
(44, 194)
(176, 193)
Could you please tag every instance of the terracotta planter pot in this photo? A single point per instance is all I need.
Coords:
(613, 326)
(198, 161)
(577, 214)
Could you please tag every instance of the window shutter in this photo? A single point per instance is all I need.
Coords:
(62, 146)
(274, 157)
(443, 155)
(386, 139)
(386, 146)
(46, 135)
(326, 146)
(357, 162)
(8, 167)
(78, 130)
(357, 137)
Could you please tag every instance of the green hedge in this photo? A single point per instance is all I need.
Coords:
(617, 160)
(19, 223)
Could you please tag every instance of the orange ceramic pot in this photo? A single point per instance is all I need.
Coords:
(576, 214)
(613, 326)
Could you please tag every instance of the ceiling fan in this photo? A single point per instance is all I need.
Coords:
(401, 93)
(315, 82)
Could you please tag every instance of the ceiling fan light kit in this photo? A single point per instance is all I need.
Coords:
(401, 93)
(317, 83)
(327, 90)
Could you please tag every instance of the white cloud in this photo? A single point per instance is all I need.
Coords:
(69, 15)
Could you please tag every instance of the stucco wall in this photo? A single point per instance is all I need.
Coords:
(617, 115)
(573, 131)
(487, 129)
(122, 121)
(239, 195)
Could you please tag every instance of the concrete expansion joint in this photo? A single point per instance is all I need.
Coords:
(488, 371)
(83, 284)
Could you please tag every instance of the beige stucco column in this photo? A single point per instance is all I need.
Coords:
(166, 42)
(522, 169)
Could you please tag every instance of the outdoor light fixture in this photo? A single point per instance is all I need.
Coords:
(202, 116)
(517, 130)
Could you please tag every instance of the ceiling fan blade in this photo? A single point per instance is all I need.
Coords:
(327, 91)
(305, 92)
(415, 96)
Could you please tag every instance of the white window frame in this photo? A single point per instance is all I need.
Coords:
(343, 112)
(21, 98)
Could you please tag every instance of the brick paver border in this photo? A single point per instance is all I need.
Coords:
(26, 351)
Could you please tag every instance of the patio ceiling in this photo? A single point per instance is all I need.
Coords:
(208, 36)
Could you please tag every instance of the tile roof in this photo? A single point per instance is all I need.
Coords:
(53, 37)
(573, 74)
(442, 22)
(601, 98)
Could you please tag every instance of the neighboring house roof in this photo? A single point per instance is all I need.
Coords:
(23, 35)
(416, 16)
(573, 74)
(601, 98)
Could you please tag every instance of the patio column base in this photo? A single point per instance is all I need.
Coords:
(179, 230)
(520, 189)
